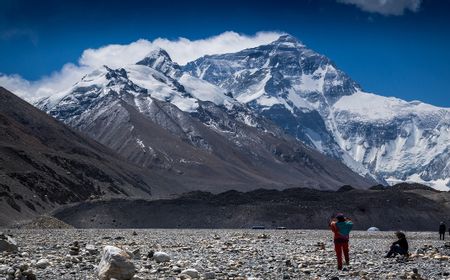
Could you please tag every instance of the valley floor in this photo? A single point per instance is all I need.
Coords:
(230, 254)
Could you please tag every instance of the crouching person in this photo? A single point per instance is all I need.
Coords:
(398, 247)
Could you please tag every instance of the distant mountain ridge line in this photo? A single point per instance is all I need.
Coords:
(298, 208)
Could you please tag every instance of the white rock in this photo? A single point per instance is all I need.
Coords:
(4, 269)
(373, 229)
(115, 264)
(161, 257)
(193, 273)
(42, 263)
(91, 249)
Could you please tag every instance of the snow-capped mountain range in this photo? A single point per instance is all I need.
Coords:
(158, 116)
(223, 109)
(307, 95)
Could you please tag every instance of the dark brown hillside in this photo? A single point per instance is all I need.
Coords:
(44, 164)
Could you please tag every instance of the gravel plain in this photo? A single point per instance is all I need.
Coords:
(225, 254)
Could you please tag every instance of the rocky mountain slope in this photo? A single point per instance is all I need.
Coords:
(162, 118)
(44, 164)
(311, 99)
(404, 207)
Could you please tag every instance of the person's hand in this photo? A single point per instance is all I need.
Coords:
(332, 220)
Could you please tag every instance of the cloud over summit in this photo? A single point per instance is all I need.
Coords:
(181, 51)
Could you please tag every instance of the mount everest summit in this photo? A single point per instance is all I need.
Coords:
(277, 115)
(308, 96)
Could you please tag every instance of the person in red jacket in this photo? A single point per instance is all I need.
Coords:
(341, 227)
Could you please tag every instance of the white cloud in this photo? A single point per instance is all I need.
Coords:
(181, 51)
(47, 85)
(385, 7)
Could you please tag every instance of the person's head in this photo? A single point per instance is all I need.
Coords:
(400, 235)
(442, 223)
(340, 217)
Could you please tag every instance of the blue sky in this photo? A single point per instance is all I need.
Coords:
(402, 53)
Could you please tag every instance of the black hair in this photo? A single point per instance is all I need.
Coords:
(400, 235)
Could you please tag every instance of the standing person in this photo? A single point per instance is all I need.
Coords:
(442, 229)
(398, 247)
(341, 227)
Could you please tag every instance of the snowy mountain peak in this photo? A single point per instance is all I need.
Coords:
(160, 60)
(158, 52)
(108, 79)
(289, 40)
(116, 74)
(283, 73)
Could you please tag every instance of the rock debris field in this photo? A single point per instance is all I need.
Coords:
(213, 254)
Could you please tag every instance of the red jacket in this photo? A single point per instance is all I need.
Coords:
(341, 230)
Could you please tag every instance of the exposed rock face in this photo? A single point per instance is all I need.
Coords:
(115, 264)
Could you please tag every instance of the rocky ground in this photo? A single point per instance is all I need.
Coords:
(221, 254)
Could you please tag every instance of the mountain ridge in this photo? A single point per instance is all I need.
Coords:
(388, 208)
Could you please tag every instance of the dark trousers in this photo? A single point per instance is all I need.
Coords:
(394, 250)
(341, 247)
(441, 235)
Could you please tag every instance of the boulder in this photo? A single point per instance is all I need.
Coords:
(4, 269)
(136, 254)
(193, 273)
(42, 263)
(91, 249)
(7, 244)
(160, 257)
(74, 248)
(372, 229)
(115, 264)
